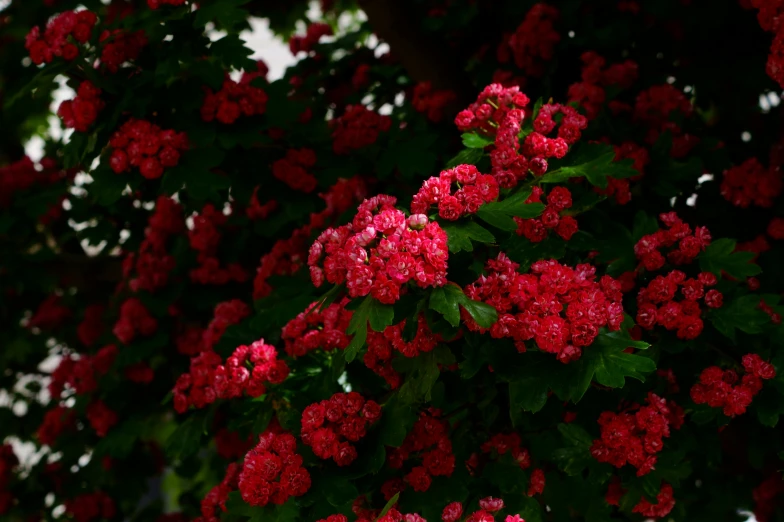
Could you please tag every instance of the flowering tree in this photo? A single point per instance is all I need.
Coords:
(465, 261)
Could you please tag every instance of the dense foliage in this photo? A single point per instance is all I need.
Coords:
(466, 261)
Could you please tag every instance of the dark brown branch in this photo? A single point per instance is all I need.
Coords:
(421, 55)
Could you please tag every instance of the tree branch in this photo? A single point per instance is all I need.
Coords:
(423, 57)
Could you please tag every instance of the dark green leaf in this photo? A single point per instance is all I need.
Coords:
(742, 313)
(460, 235)
(720, 256)
(527, 395)
(607, 363)
(500, 214)
(465, 157)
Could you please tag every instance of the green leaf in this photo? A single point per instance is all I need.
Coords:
(392, 501)
(593, 161)
(396, 421)
(576, 455)
(484, 314)
(465, 157)
(607, 363)
(742, 313)
(421, 379)
(107, 187)
(527, 395)
(338, 491)
(500, 214)
(720, 256)
(236, 506)
(186, 439)
(475, 141)
(461, 234)
(447, 300)
(379, 315)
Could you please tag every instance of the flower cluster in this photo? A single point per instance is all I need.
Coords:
(537, 147)
(428, 441)
(427, 100)
(235, 99)
(287, 256)
(81, 112)
(424, 339)
(556, 202)
(315, 328)
(664, 500)
(230, 446)
(189, 340)
(619, 188)
(720, 388)
(656, 303)
(537, 482)
(56, 421)
(474, 190)
(313, 34)
(498, 112)
(155, 4)
(8, 461)
(382, 345)
(24, 174)
(55, 42)
(503, 443)
(152, 263)
(90, 506)
(81, 374)
(256, 209)
(235, 379)
(380, 251)
(767, 497)
(590, 92)
(533, 42)
(291, 169)
(358, 127)
(393, 515)
(488, 507)
(134, 320)
(648, 249)
(120, 47)
(769, 17)
(139, 143)
(273, 471)
(751, 183)
(92, 326)
(196, 388)
(654, 107)
(560, 307)
(226, 314)
(50, 314)
(330, 426)
(205, 238)
(378, 358)
(101, 417)
(216, 498)
(635, 437)
(140, 373)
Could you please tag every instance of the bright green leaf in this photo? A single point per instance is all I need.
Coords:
(475, 141)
